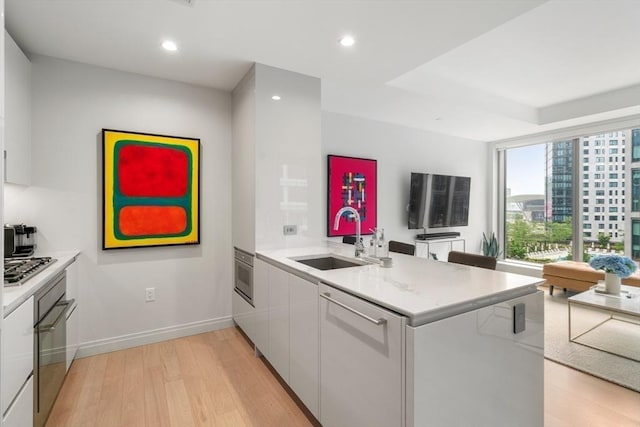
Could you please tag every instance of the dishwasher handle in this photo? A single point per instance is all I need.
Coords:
(327, 296)
(52, 326)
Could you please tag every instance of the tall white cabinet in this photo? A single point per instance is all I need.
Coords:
(276, 156)
(17, 93)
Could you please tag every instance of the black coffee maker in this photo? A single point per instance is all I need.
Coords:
(19, 240)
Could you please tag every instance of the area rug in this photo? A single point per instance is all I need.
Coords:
(598, 363)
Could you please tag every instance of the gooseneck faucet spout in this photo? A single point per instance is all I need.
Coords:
(358, 245)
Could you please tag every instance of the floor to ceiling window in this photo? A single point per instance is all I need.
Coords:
(539, 202)
(549, 195)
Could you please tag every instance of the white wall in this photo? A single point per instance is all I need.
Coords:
(71, 104)
(399, 151)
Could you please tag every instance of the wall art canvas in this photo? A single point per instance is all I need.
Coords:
(151, 190)
(352, 182)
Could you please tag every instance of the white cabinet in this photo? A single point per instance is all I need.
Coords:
(278, 351)
(73, 327)
(286, 328)
(473, 370)
(17, 100)
(303, 341)
(261, 303)
(361, 362)
(243, 315)
(20, 414)
(17, 351)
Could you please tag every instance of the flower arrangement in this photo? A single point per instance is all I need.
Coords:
(622, 266)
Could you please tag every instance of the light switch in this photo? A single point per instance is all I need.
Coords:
(289, 230)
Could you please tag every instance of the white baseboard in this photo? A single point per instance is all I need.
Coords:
(122, 342)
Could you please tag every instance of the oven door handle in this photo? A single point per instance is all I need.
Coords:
(52, 326)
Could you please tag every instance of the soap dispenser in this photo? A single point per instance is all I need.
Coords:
(382, 245)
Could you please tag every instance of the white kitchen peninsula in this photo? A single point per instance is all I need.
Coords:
(421, 343)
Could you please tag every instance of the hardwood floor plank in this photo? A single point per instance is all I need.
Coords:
(133, 406)
(179, 406)
(155, 397)
(109, 412)
(213, 379)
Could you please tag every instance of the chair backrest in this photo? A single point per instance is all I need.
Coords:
(402, 248)
(474, 260)
(351, 240)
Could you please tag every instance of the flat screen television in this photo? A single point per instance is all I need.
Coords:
(437, 201)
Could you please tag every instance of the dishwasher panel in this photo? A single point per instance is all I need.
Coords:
(361, 362)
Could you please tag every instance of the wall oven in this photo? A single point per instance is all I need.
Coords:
(50, 336)
(243, 274)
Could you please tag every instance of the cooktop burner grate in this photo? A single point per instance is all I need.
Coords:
(18, 271)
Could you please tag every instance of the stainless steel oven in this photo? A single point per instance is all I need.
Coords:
(50, 346)
(243, 274)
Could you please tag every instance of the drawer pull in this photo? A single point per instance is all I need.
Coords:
(327, 296)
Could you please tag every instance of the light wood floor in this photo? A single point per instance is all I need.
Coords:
(214, 379)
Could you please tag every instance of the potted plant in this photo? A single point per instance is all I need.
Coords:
(615, 268)
(490, 246)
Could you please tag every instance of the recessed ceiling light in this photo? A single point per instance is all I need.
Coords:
(347, 41)
(276, 97)
(169, 45)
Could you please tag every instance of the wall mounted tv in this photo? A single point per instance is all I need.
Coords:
(437, 201)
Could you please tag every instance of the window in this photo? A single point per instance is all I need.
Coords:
(544, 174)
(635, 190)
(600, 168)
(635, 239)
(635, 145)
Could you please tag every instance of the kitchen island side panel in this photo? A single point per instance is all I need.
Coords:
(472, 369)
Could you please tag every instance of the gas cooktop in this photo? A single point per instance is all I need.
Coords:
(18, 271)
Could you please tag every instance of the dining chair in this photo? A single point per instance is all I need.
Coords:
(402, 248)
(473, 260)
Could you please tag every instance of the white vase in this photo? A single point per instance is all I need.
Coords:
(612, 283)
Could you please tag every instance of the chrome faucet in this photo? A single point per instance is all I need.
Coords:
(358, 245)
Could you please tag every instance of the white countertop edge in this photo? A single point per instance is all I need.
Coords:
(13, 296)
(414, 318)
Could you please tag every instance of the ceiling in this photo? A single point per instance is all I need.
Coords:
(479, 69)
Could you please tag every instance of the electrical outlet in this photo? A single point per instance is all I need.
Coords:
(289, 230)
(150, 295)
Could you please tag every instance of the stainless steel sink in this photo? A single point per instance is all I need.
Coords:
(327, 262)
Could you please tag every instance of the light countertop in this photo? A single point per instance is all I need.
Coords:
(423, 290)
(13, 296)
